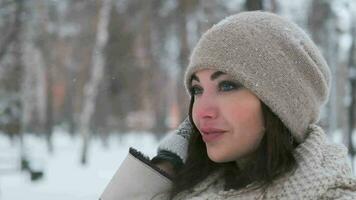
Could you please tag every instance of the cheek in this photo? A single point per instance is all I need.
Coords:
(247, 124)
(250, 108)
(238, 113)
(242, 114)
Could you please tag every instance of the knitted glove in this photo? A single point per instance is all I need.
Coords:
(173, 147)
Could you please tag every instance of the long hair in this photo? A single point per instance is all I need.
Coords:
(272, 159)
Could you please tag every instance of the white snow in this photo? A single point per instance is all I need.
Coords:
(65, 177)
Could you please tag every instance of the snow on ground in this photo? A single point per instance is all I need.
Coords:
(64, 177)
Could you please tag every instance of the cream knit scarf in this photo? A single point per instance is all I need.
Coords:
(323, 172)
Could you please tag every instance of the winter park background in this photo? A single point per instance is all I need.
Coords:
(81, 81)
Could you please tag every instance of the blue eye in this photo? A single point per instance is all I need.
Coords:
(195, 90)
(228, 86)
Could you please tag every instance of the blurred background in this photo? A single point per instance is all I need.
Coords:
(83, 80)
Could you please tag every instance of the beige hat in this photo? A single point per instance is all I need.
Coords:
(273, 58)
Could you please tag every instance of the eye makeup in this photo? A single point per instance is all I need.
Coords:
(228, 85)
(222, 86)
(195, 90)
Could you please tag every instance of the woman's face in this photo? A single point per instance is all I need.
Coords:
(228, 116)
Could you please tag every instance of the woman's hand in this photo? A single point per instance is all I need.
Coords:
(167, 167)
(172, 150)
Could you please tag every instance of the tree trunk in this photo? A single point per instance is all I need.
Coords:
(49, 108)
(71, 91)
(183, 59)
(18, 65)
(12, 32)
(350, 144)
(254, 5)
(96, 74)
(352, 109)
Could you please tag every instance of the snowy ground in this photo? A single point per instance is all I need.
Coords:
(64, 177)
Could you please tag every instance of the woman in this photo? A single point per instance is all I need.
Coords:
(257, 83)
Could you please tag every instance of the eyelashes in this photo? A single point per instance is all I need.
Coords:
(223, 86)
(195, 90)
(228, 86)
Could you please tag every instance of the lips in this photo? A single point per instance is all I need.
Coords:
(210, 134)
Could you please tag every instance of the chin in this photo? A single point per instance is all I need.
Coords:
(218, 158)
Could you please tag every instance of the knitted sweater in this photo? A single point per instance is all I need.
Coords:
(323, 172)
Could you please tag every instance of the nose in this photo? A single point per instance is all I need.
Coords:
(205, 107)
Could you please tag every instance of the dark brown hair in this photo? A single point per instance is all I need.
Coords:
(273, 158)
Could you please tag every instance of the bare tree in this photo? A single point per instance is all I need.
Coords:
(11, 31)
(254, 4)
(183, 10)
(45, 42)
(96, 74)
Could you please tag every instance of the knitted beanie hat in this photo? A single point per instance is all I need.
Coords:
(274, 59)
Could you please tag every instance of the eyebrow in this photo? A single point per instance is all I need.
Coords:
(214, 76)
